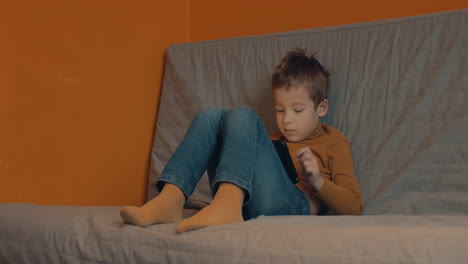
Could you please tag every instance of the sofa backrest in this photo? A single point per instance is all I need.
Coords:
(399, 90)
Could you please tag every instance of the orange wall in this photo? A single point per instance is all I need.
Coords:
(80, 82)
(213, 19)
(79, 88)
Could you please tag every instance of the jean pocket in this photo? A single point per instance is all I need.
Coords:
(283, 207)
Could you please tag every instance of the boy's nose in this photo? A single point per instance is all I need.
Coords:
(287, 119)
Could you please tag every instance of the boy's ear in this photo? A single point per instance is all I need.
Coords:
(322, 109)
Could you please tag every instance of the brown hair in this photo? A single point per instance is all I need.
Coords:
(297, 69)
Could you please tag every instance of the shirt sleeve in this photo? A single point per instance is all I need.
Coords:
(341, 193)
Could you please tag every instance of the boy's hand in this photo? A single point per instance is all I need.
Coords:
(310, 168)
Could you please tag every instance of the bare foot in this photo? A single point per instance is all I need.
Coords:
(166, 208)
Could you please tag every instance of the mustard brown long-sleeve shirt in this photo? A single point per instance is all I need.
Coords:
(340, 192)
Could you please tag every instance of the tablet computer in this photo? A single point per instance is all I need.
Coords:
(286, 160)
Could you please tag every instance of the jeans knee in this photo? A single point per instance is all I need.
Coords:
(211, 114)
(242, 112)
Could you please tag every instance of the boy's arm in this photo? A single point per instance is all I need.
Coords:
(342, 193)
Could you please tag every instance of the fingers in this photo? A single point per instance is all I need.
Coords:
(303, 151)
(308, 160)
(310, 168)
(310, 165)
(305, 154)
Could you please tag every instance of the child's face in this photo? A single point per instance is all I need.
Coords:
(296, 115)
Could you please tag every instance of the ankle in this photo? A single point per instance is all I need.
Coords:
(173, 192)
(231, 192)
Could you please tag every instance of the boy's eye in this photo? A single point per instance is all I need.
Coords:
(299, 110)
(279, 110)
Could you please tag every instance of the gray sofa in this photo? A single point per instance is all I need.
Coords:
(399, 90)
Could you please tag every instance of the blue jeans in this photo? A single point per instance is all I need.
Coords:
(234, 146)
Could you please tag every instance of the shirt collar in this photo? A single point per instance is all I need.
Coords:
(316, 133)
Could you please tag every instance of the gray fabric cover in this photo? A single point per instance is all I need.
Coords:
(399, 94)
(59, 234)
(399, 91)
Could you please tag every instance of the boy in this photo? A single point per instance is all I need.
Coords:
(245, 172)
